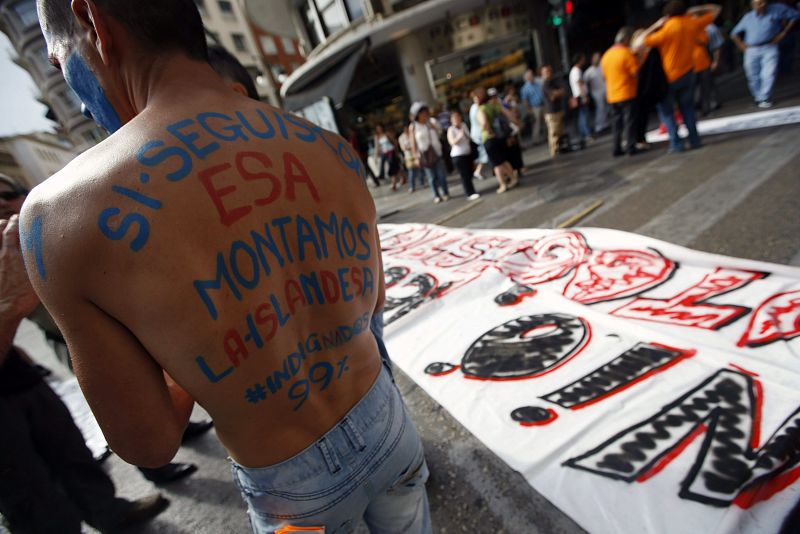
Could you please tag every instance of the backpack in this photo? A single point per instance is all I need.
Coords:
(500, 125)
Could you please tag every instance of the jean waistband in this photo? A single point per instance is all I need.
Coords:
(354, 424)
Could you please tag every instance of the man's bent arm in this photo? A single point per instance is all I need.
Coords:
(738, 42)
(704, 9)
(141, 418)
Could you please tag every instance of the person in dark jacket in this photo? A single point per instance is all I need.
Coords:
(652, 88)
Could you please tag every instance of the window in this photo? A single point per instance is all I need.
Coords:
(238, 42)
(312, 24)
(355, 8)
(333, 15)
(226, 8)
(288, 46)
(25, 10)
(268, 45)
(92, 136)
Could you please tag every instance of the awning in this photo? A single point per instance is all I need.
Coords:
(333, 81)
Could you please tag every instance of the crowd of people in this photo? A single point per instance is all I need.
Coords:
(430, 145)
(668, 68)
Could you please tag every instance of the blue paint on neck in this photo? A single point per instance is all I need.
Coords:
(84, 83)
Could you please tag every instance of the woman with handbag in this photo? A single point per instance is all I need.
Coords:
(428, 150)
(410, 161)
(496, 129)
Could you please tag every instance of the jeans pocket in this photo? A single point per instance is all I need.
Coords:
(414, 476)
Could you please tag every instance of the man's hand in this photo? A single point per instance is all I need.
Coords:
(17, 298)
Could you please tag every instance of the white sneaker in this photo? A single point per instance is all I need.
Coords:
(437, 200)
(766, 104)
(478, 176)
(474, 196)
(445, 197)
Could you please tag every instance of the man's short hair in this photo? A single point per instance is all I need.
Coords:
(578, 57)
(624, 35)
(228, 67)
(675, 8)
(157, 25)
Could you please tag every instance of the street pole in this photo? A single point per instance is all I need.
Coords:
(558, 14)
(562, 40)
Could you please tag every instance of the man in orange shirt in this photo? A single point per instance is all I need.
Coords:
(620, 68)
(675, 35)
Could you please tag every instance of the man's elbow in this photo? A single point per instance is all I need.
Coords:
(152, 452)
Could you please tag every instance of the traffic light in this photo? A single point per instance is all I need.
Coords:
(558, 12)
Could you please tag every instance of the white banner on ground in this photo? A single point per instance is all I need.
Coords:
(736, 123)
(638, 385)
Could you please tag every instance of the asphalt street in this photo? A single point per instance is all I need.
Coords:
(735, 196)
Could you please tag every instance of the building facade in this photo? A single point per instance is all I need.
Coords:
(370, 59)
(35, 157)
(18, 20)
(227, 25)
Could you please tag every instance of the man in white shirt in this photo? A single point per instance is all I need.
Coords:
(580, 95)
(593, 77)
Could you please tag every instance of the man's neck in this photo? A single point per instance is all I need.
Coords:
(165, 80)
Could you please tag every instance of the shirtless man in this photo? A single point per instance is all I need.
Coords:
(227, 253)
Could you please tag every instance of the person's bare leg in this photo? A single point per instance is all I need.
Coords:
(500, 173)
(513, 175)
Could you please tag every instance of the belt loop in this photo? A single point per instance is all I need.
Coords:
(330, 455)
(354, 436)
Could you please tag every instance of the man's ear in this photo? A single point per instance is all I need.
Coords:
(95, 23)
(239, 88)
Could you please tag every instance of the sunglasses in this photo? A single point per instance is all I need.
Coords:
(10, 195)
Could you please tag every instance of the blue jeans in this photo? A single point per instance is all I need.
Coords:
(681, 91)
(582, 119)
(437, 177)
(414, 174)
(761, 67)
(370, 465)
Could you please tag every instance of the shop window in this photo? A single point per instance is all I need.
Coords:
(25, 10)
(238, 42)
(268, 45)
(226, 8)
(288, 46)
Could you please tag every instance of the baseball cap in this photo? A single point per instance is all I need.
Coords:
(491, 91)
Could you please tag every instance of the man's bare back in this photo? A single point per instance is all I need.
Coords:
(229, 243)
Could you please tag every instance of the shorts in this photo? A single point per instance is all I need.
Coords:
(497, 150)
(483, 157)
(370, 465)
